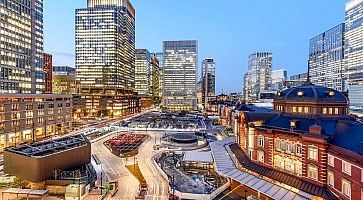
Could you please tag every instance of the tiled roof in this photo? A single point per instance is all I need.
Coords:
(349, 135)
(280, 176)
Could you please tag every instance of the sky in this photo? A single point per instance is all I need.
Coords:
(227, 30)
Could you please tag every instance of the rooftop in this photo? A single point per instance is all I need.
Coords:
(311, 93)
(45, 148)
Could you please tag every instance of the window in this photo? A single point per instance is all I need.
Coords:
(336, 111)
(346, 167)
(330, 179)
(260, 156)
(330, 160)
(261, 141)
(325, 111)
(346, 188)
(282, 164)
(2, 108)
(288, 147)
(300, 109)
(306, 109)
(29, 121)
(313, 153)
(313, 172)
(294, 109)
(278, 144)
(298, 149)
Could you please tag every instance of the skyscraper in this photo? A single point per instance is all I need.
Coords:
(326, 59)
(21, 63)
(143, 72)
(105, 58)
(48, 68)
(160, 57)
(354, 50)
(258, 78)
(180, 74)
(208, 80)
(279, 76)
(105, 46)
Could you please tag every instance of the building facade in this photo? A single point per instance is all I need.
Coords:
(160, 57)
(309, 143)
(21, 63)
(48, 68)
(105, 46)
(31, 117)
(64, 80)
(303, 77)
(180, 75)
(143, 72)
(326, 59)
(105, 58)
(208, 81)
(354, 50)
(279, 76)
(258, 77)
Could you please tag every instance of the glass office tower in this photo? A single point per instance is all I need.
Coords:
(354, 50)
(279, 76)
(21, 46)
(326, 59)
(105, 45)
(160, 57)
(258, 78)
(143, 72)
(180, 74)
(208, 84)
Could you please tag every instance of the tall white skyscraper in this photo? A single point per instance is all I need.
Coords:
(354, 50)
(180, 74)
(258, 77)
(208, 84)
(279, 76)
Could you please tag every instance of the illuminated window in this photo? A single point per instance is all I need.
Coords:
(261, 141)
(346, 188)
(346, 167)
(313, 153)
(325, 111)
(331, 160)
(313, 172)
(298, 149)
(330, 179)
(306, 109)
(336, 111)
(300, 109)
(260, 156)
(288, 147)
(294, 109)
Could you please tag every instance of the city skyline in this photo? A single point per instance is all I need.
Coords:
(244, 36)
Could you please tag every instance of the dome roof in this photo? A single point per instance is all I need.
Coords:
(311, 93)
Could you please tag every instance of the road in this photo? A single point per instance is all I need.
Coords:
(114, 169)
(157, 185)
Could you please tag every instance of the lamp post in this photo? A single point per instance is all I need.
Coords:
(101, 178)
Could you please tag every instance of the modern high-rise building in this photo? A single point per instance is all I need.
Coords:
(21, 63)
(354, 50)
(48, 68)
(279, 76)
(105, 58)
(143, 72)
(208, 81)
(303, 77)
(160, 57)
(180, 74)
(326, 59)
(64, 80)
(258, 78)
(147, 74)
(105, 46)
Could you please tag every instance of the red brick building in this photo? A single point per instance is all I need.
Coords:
(48, 70)
(308, 142)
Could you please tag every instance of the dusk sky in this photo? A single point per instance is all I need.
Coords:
(228, 30)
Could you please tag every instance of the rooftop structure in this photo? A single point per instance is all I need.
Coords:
(37, 162)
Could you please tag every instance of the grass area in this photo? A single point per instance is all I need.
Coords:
(135, 171)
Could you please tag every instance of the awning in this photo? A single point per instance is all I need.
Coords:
(225, 166)
(198, 156)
